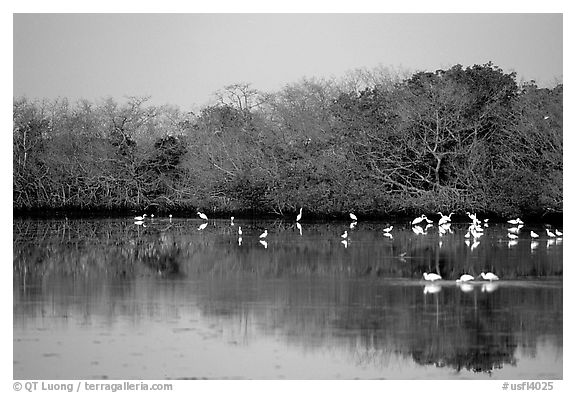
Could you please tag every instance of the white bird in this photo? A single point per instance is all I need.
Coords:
(534, 235)
(489, 276)
(152, 215)
(353, 224)
(546, 117)
(353, 217)
(140, 218)
(474, 219)
(388, 229)
(512, 236)
(202, 215)
(264, 234)
(444, 219)
(431, 276)
(232, 221)
(465, 277)
(344, 235)
(549, 233)
(169, 215)
(516, 221)
(299, 216)
(418, 220)
(558, 233)
(240, 231)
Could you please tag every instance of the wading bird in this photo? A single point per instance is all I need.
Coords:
(465, 277)
(512, 236)
(516, 221)
(202, 215)
(444, 219)
(388, 229)
(489, 276)
(232, 221)
(140, 218)
(353, 217)
(264, 234)
(418, 220)
(558, 233)
(299, 216)
(344, 235)
(549, 233)
(239, 231)
(431, 276)
(534, 235)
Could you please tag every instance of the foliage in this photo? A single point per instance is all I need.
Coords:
(375, 143)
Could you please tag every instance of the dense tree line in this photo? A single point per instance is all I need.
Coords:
(456, 139)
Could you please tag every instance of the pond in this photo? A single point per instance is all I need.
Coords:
(186, 298)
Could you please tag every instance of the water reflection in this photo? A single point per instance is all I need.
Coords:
(108, 286)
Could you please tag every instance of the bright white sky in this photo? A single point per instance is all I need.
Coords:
(183, 59)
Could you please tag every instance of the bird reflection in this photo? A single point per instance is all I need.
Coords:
(464, 287)
(418, 230)
(299, 228)
(474, 245)
(345, 242)
(533, 245)
(388, 235)
(489, 287)
(264, 243)
(432, 288)
(240, 241)
(512, 243)
(202, 226)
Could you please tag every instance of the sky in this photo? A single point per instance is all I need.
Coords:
(183, 59)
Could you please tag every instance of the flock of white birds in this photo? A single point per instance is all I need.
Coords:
(475, 231)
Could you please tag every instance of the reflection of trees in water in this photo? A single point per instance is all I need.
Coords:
(313, 294)
(121, 248)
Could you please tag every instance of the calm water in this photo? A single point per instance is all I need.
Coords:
(110, 299)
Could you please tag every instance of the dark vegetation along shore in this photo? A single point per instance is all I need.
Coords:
(460, 139)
